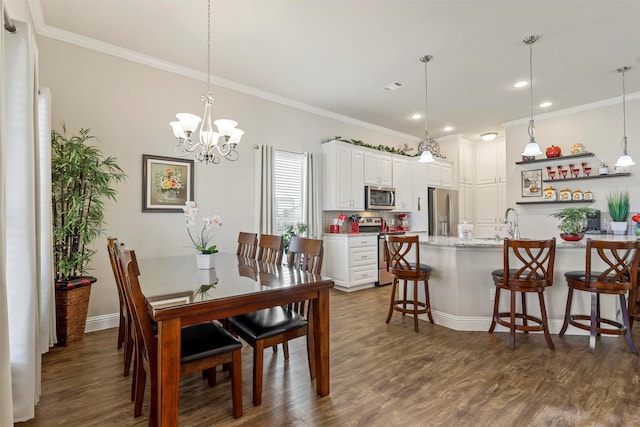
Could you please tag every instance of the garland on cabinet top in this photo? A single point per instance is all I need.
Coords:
(403, 151)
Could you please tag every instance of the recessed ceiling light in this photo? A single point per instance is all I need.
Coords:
(489, 136)
(447, 128)
(546, 104)
(520, 84)
(416, 116)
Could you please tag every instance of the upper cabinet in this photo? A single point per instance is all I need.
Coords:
(403, 184)
(343, 178)
(378, 169)
(440, 174)
(490, 162)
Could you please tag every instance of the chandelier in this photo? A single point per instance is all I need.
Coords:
(625, 159)
(428, 146)
(532, 149)
(211, 145)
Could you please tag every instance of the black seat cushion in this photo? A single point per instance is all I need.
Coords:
(499, 274)
(205, 340)
(580, 275)
(265, 323)
(423, 267)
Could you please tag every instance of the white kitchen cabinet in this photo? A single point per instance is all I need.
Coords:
(466, 203)
(343, 177)
(490, 162)
(466, 164)
(351, 260)
(403, 184)
(491, 188)
(440, 174)
(378, 169)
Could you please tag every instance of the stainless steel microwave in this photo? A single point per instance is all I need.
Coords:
(379, 198)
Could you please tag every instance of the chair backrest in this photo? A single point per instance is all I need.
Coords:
(248, 267)
(112, 243)
(247, 244)
(530, 263)
(403, 256)
(305, 254)
(621, 264)
(270, 248)
(130, 272)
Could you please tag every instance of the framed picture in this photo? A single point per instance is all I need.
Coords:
(167, 183)
(532, 183)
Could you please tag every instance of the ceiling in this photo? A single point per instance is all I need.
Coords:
(336, 55)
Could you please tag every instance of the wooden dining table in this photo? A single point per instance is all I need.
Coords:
(179, 294)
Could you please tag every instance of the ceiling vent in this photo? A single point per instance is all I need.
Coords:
(393, 86)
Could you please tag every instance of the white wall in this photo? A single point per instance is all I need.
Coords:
(597, 126)
(128, 106)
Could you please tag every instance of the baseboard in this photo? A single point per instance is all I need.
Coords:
(104, 321)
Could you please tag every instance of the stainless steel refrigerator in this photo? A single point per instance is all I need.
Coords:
(443, 212)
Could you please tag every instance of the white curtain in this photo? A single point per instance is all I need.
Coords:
(264, 182)
(27, 276)
(312, 191)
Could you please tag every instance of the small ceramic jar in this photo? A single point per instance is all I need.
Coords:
(587, 195)
(577, 148)
(604, 169)
(565, 194)
(550, 194)
(576, 195)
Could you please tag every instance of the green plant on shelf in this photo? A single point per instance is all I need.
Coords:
(572, 220)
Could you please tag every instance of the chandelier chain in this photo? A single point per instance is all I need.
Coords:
(426, 60)
(208, 46)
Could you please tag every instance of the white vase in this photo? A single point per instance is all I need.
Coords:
(619, 227)
(205, 261)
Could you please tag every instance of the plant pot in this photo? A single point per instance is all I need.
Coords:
(619, 227)
(204, 261)
(72, 304)
(572, 237)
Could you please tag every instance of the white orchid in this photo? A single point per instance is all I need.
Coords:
(210, 223)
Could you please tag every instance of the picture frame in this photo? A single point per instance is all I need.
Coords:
(167, 183)
(531, 183)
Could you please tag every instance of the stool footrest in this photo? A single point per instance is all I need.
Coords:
(538, 327)
(574, 320)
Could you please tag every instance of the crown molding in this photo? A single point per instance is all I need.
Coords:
(573, 110)
(55, 33)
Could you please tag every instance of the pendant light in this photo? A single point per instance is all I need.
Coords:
(428, 145)
(625, 159)
(211, 145)
(532, 149)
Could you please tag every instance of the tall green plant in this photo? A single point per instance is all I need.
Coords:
(81, 178)
(618, 203)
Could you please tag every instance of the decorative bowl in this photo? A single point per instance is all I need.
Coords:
(572, 237)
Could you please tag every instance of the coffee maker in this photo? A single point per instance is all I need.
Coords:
(593, 223)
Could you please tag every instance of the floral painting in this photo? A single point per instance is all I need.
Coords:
(167, 183)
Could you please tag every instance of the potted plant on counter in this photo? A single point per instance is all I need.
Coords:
(81, 178)
(572, 221)
(618, 204)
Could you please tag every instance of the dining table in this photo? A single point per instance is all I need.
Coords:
(179, 294)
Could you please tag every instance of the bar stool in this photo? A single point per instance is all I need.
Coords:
(529, 266)
(398, 249)
(619, 277)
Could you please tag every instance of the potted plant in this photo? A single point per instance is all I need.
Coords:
(289, 231)
(81, 178)
(572, 221)
(618, 204)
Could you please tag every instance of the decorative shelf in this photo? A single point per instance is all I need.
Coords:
(549, 202)
(611, 175)
(556, 159)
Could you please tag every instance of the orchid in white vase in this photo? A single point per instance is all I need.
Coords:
(201, 242)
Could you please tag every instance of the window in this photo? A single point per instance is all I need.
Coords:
(289, 172)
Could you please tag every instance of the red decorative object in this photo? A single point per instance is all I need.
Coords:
(553, 151)
(355, 227)
(572, 237)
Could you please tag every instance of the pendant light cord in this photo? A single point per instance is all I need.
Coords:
(624, 111)
(208, 47)
(426, 60)
(532, 127)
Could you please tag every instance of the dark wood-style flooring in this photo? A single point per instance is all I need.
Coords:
(381, 375)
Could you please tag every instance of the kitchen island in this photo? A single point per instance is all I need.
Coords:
(462, 290)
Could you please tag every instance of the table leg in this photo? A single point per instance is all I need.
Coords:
(320, 313)
(168, 372)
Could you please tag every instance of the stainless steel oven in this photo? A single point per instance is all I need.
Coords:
(384, 277)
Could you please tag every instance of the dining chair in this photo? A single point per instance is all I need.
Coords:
(270, 249)
(270, 327)
(619, 276)
(203, 346)
(125, 325)
(527, 268)
(247, 244)
(403, 262)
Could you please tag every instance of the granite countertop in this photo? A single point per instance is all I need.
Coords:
(492, 242)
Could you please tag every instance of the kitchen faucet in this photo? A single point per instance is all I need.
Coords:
(513, 230)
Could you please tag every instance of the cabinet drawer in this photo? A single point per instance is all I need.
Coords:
(361, 241)
(363, 256)
(362, 275)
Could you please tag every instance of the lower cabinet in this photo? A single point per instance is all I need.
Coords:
(351, 260)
